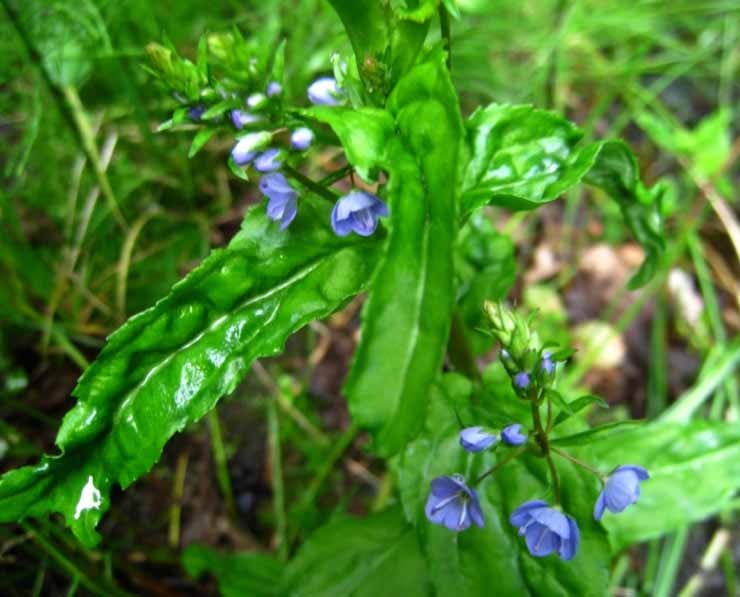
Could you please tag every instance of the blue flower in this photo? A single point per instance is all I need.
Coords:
(521, 380)
(453, 504)
(196, 112)
(546, 529)
(239, 118)
(283, 199)
(274, 88)
(301, 138)
(256, 100)
(622, 489)
(359, 212)
(547, 365)
(476, 439)
(513, 435)
(268, 161)
(325, 92)
(241, 155)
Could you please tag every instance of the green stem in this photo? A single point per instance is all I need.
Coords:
(91, 151)
(580, 463)
(69, 566)
(444, 28)
(500, 464)
(219, 456)
(541, 435)
(333, 177)
(341, 444)
(312, 186)
(278, 488)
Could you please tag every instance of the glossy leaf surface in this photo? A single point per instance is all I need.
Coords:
(523, 157)
(167, 366)
(694, 472)
(474, 561)
(408, 310)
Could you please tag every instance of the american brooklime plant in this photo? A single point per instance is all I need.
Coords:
(502, 485)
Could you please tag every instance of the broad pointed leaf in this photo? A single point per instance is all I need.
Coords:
(524, 157)
(407, 315)
(166, 367)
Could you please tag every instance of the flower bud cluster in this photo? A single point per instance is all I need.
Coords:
(259, 118)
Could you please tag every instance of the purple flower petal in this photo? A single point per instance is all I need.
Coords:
(476, 513)
(512, 435)
(240, 152)
(240, 118)
(621, 490)
(541, 541)
(356, 212)
(275, 182)
(641, 473)
(268, 161)
(325, 92)
(599, 506)
(452, 504)
(274, 88)
(520, 516)
(521, 380)
(546, 530)
(301, 138)
(569, 547)
(476, 439)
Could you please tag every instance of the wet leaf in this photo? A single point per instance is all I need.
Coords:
(523, 157)
(167, 366)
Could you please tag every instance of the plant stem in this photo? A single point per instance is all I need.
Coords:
(333, 177)
(278, 488)
(219, 456)
(580, 463)
(312, 186)
(541, 435)
(444, 28)
(500, 464)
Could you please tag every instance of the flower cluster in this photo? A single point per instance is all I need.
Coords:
(358, 211)
(546, 528)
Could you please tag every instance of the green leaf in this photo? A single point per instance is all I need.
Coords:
(385, 45)
(377, 555)
(578, 405)
(559, 401)
(202, 58)
(472, 562)
(523, 157)
(694, 473)
(219, 108)
(597, 433)
(200, 140)
(277, 71)
(409, 305)
(236, 169)
(485, 268)
(238, 574)
(408, 310)
(167, 366)
(563, 354)
(415, 10)
(365, 135)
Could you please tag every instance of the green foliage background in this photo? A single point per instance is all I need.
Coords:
(80, 141)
